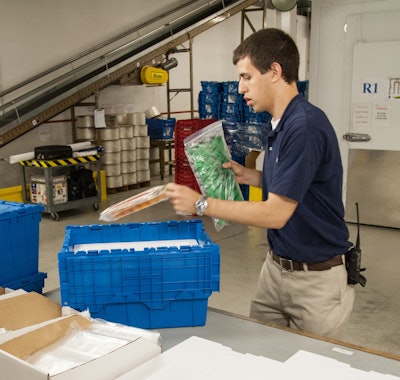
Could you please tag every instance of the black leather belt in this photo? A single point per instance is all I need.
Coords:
(291, 265)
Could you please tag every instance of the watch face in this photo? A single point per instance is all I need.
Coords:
(201, 206)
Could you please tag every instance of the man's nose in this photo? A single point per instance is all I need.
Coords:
(241, 87)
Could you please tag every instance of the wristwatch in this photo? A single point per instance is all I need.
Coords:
(201, 205)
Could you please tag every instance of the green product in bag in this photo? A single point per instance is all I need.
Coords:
(207, 150)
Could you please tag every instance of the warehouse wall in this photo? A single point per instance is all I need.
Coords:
(50, 31)
(37, 35)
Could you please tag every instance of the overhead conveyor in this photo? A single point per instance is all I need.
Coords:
(24, 110)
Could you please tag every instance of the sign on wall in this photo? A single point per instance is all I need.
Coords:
(376, 94)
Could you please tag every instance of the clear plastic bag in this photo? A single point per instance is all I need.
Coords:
(206, 151)
(118, 330)
(79, 346)
(76, 347)
(133, 204)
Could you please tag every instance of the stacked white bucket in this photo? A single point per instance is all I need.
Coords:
(85, 130)
(141, 135)
(126, 150)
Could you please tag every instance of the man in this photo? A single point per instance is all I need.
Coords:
(303, 282)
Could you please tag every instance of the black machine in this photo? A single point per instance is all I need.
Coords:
(52, 152)
(353, 261)
(81, 183)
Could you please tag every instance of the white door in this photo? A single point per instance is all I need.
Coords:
(373, 177)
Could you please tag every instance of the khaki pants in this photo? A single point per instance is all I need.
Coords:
(319, 302)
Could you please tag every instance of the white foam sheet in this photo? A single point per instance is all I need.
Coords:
(307, 365)
(137, 245)
(197, 358)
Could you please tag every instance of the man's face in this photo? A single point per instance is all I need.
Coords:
(255, 87)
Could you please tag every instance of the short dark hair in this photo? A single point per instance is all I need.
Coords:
(267, 46)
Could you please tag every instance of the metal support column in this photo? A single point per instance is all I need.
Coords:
(261, 7)
(189, 89)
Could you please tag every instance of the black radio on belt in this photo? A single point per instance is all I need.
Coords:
(353, 261)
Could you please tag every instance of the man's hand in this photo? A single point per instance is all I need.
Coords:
(243, 175)
(182, 198)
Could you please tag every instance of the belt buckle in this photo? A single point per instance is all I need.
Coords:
(283, 262)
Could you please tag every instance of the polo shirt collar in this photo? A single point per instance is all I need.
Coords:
(287, 112)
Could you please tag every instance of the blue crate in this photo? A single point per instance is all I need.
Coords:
(205, 97)
(230, 129)
(253, 128)
(239, 152)
(161, 128)
(251, 141)
(302, 86)
(230, 108)
(207, 115)
(211, 87)
(154, 287)
(209, 107)
(34, 283)
(245, 189)
(231, 97)
(256, 117)
(231, 117)
(229, 87)
(19, 240)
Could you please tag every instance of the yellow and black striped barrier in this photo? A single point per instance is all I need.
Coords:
(60, 162)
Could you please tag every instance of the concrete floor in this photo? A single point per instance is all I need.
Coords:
(374, 323)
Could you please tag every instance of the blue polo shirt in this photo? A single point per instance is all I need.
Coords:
(302, 162)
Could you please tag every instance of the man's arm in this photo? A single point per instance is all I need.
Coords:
(272, 213)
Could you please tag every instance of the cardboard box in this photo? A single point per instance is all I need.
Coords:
(6, 293)
(21, 312)
(108, 366)
(254, 160)
(26, 309)
(33, 322)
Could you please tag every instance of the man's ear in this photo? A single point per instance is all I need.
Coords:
(276, 69)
